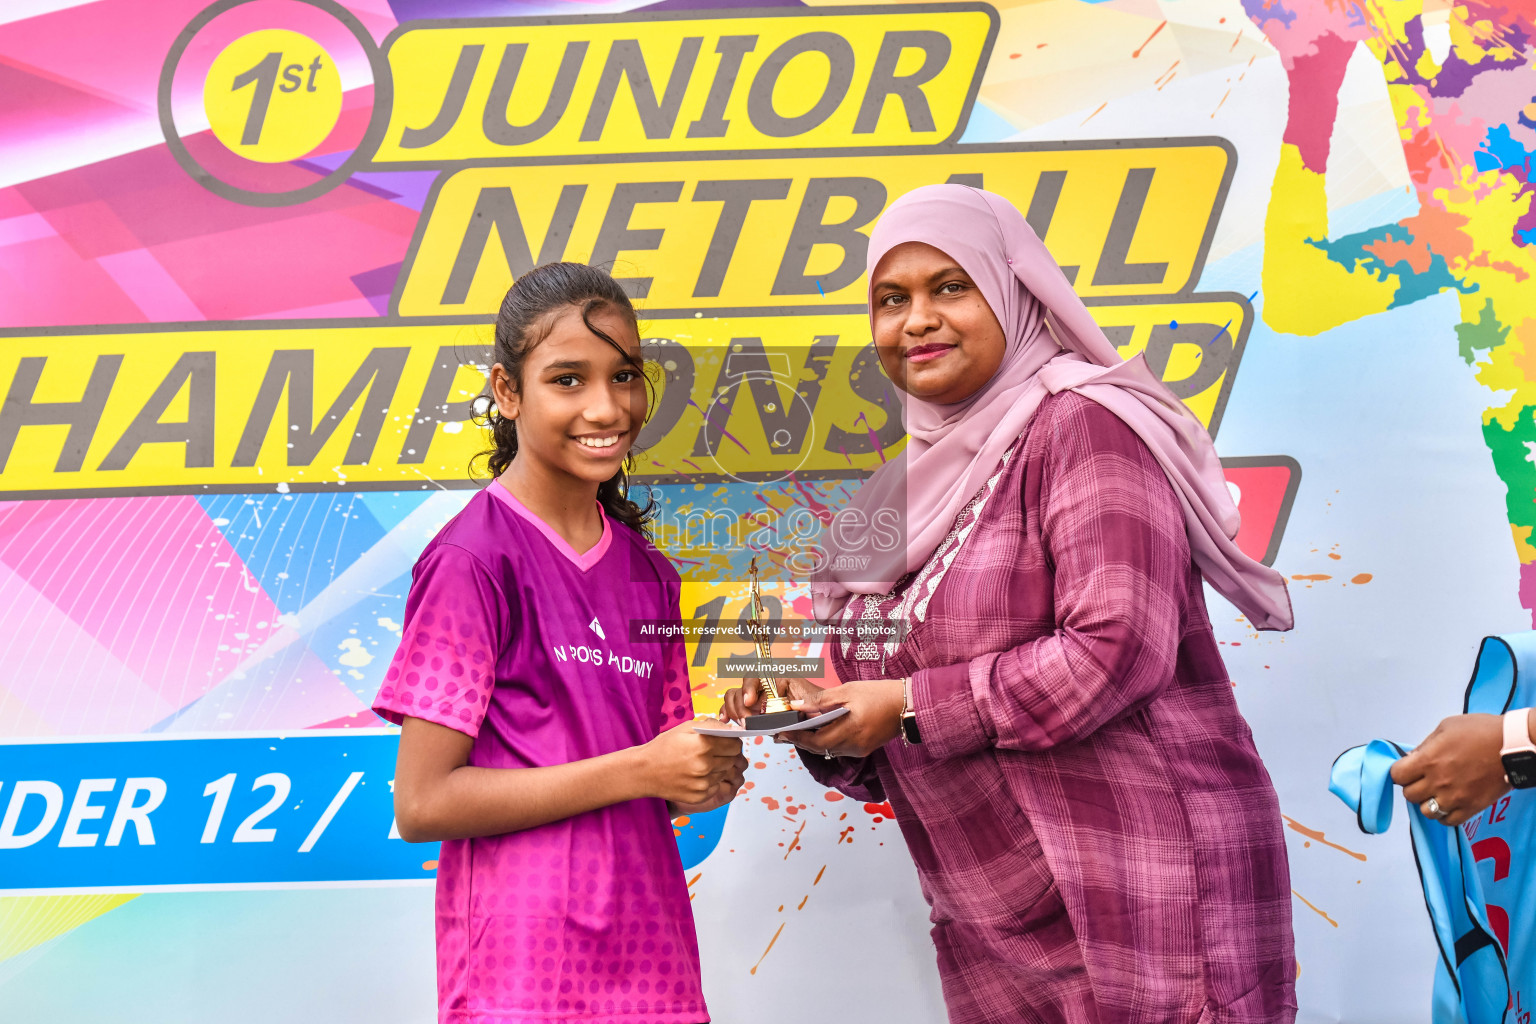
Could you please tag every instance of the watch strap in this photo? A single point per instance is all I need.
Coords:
(1517, 732)
(909, 733)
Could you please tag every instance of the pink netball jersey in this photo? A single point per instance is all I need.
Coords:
(514, 639)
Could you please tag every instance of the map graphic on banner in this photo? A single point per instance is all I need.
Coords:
(250, 256)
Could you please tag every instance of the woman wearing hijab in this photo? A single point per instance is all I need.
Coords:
(1090, 820)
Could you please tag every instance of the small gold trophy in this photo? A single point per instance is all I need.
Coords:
(776, 711)
(777, 716)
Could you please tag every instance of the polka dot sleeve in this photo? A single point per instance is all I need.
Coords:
(676, 697)
(456, 625)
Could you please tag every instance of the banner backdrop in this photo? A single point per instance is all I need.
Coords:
(250, 253)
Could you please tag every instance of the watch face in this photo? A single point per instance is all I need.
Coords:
(909, 727)
(1520, 769)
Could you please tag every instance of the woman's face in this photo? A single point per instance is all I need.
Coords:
(581, 403)
(937, 338)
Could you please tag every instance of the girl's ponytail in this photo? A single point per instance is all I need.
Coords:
(521, 323)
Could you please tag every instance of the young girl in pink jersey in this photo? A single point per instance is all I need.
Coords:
(544, 747)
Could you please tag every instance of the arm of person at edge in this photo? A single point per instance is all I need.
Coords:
(440, 795)
(1459, 765)
(1116, 535)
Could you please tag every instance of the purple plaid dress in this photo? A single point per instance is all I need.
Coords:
(1092, 826)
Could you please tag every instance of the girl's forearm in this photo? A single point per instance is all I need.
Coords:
(470, 801)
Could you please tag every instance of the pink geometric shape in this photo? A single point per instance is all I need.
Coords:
(112, 48)
(382, 216)
(47, 283)
(62, 675)
(39, 516)
(38, 106)
(327, 311)
(152, 289)
(230, 261)
(28, 227)
(288, 264)
(151, 194)
(152, 579)
(13, 205)
(92, 228)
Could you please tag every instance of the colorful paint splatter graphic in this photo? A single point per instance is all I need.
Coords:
(1463, 87)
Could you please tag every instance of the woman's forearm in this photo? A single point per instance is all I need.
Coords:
(470, 801)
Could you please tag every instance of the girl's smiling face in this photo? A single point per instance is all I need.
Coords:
(581, 402)
(937, 338)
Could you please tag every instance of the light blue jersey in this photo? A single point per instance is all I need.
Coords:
(1478, 879)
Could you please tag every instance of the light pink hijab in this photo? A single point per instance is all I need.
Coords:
(1053, 345)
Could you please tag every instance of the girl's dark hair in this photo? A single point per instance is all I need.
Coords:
(524, 320)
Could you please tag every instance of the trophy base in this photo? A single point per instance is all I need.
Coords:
(776, 720)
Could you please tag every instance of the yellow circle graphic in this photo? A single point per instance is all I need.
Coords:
(272, 96)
